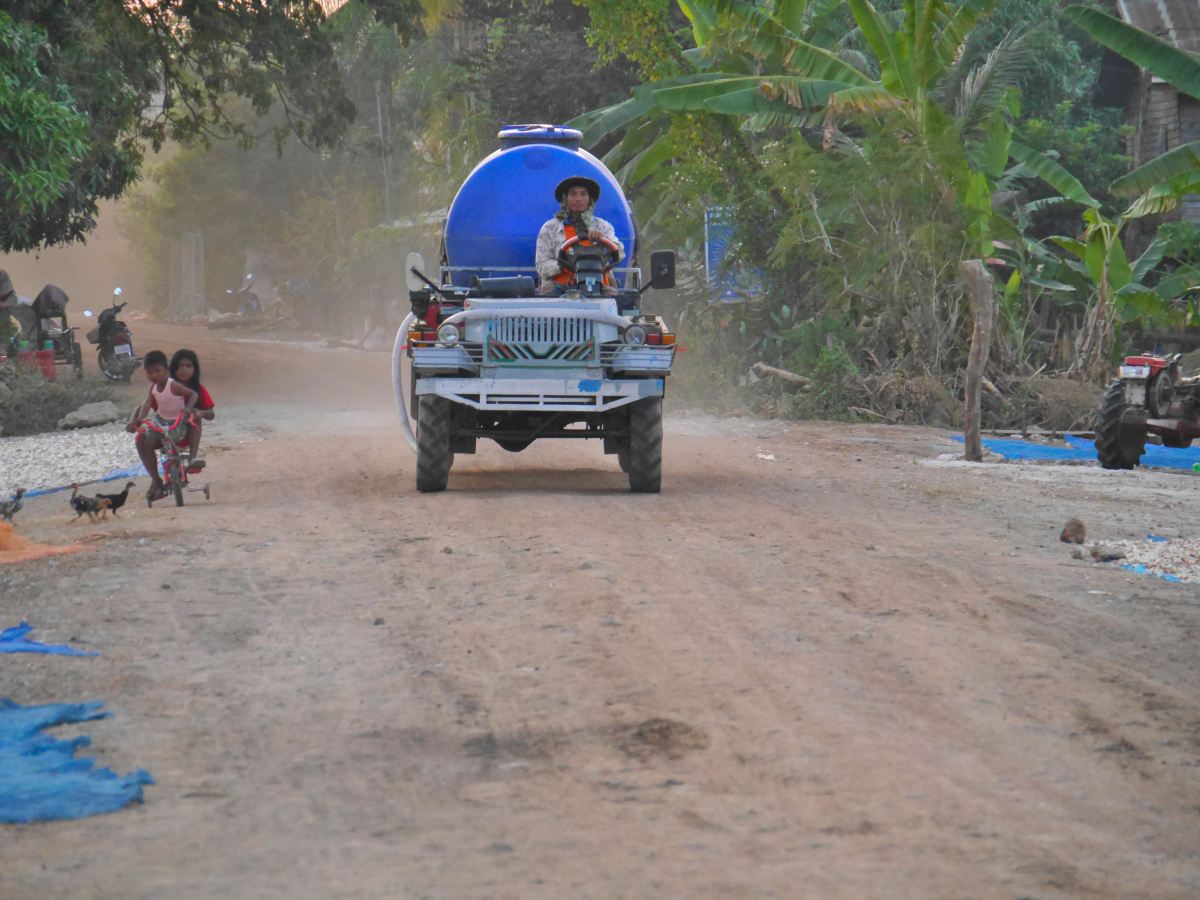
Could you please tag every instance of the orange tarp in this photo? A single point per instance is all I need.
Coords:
(14, 548)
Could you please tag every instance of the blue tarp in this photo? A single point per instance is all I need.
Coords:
(41, 778)
(12, 640)
(1085, 449)
(114, 475)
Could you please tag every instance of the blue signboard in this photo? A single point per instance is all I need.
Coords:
(729, 283)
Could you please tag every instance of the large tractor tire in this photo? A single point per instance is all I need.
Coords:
(1121, 434)
(645, 446)
(434, 453)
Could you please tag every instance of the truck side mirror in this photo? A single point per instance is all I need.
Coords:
(414, 261)
(662, 269)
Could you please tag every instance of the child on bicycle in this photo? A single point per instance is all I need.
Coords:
(170, 401)
(185, 369)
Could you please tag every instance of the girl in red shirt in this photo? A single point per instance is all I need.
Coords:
(185, 368)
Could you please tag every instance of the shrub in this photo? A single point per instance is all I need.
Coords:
(30, 404)
(823, 349)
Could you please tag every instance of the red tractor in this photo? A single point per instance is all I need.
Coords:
(1150, 396)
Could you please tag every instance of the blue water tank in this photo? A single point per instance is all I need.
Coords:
(497, 213)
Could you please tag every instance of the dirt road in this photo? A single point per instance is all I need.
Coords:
(837, 672)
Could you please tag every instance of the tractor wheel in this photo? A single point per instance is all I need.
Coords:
(434, 454)
(623, 459)
(645, 446)
(1121, 434)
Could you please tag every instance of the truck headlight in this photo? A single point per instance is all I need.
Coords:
(635, 336)
(448, 335)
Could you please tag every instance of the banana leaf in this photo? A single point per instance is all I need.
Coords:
(807, 93)
(1150, 258)
(598, 124)
(1043, 167)
(1179, 282)
(895, 67)
(805, 58)
(1182, 161)
(1156, 56)
(1120, 273)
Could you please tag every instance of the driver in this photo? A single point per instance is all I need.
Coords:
(577, 196)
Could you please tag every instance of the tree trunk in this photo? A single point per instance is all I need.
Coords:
(983, 302)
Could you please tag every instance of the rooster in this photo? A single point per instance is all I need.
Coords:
(9, 508)
(89, 505)
(116, 501)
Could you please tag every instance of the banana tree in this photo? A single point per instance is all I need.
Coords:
(1097, 266)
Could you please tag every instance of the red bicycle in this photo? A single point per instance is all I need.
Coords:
(176, 458)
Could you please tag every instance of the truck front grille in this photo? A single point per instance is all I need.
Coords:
(539, 339)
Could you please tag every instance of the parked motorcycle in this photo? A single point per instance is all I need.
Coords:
(245, 302)
(115, 350)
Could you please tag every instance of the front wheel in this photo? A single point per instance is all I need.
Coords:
(1121, 434)
(77, 360)
(645, 446)
(175, 474)
(434, 453)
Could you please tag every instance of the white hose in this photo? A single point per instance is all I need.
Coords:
(398, 380)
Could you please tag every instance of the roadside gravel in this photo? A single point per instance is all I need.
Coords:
(58, 458)
(1173, 559)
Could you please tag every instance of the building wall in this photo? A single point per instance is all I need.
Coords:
(1162, 120)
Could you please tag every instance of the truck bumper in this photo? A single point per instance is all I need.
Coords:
(542, 394)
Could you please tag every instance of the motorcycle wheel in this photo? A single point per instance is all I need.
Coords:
(109, 368)
(77, 361)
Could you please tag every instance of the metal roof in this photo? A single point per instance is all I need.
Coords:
(1175, 21)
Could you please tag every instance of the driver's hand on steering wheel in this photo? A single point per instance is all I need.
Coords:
(595, 235)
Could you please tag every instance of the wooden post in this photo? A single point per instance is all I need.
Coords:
(983, 302)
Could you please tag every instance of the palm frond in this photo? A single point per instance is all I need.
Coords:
(985, 87)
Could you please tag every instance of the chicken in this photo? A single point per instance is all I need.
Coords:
(9, 508)
(116, 501)
(89, 505)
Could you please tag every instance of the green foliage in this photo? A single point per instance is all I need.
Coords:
(824, 349)
(1093, 151)
(153, 71)
(1180, 242)
(646, 32)
(1061, 69)
(525, 40)
(42, 134)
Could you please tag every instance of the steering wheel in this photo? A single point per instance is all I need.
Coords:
(571, 247)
